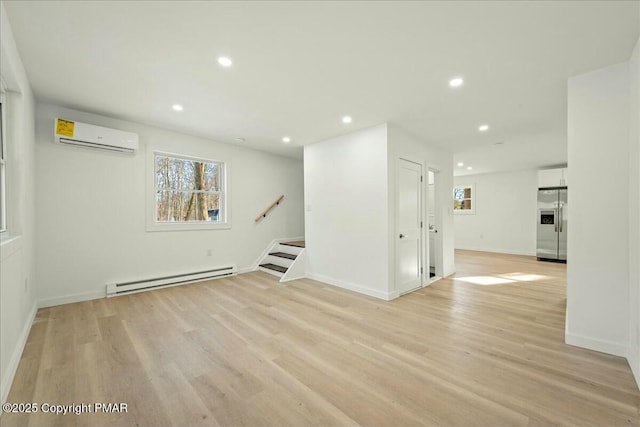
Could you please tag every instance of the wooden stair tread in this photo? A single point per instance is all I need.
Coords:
(283, 255)
(274, 267)
(299, 244)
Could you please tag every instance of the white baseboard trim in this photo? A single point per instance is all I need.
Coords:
(392, 295)
(634, 364)
(265, 252)
(497, 251)
(387, 296)
(603, 346)
(68, 299)
(16, 355)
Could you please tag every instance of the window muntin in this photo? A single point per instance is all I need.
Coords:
(189, 190)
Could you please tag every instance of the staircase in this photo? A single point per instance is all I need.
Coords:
(285, 260)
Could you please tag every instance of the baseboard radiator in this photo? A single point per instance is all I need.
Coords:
(124, 288)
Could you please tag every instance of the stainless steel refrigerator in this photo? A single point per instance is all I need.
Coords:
(552, 224)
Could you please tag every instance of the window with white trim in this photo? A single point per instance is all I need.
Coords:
(463, 202)
(3, 163)
(189, 190)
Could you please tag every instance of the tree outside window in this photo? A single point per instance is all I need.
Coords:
(189, 190)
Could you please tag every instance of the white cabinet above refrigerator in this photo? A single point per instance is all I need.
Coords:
(549, 178)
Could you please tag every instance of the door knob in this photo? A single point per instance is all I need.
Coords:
(401, 235)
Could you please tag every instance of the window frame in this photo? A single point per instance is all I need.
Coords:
(3, 159)
(225, 215)
(472, 199)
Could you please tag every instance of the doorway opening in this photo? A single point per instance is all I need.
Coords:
(434, 241)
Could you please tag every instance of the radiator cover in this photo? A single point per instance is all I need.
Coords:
(135, 286)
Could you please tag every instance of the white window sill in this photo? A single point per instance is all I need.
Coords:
(187, 226)
(9, 244)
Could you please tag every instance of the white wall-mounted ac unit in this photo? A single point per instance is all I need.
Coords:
(86, 135)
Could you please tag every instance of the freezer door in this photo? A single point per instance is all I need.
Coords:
(548, 224)
(563, 210)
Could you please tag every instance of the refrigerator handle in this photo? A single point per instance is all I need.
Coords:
(560, 219)
(555, 219)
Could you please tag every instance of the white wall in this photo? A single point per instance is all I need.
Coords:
(505, 213)
(634, 212)
(350, 207)
(91, 210)
(404, 145)
(346, 216)
(17, 248)
(598, 240)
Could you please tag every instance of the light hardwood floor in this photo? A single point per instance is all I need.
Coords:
(250, 351)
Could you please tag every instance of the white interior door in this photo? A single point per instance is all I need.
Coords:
(409, 226)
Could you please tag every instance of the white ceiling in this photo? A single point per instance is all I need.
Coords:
(300, 66)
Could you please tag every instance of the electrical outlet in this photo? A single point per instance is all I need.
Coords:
(209, 252)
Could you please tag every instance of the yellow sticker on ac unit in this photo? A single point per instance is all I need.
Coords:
(65, 127)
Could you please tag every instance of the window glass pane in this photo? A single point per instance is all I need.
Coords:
(182, 174)
(188, 190)
(458, 197)
(462, 198)
(179, 206)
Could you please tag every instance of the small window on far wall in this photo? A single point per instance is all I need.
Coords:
(189, 191)
(463, 202)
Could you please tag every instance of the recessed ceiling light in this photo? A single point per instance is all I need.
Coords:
(239, 139)
(177, 107)
(224, 61)
(346, 119)
(460, 164)
(456, 82)
(483, 128)
(469, 168)
(286, 140)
